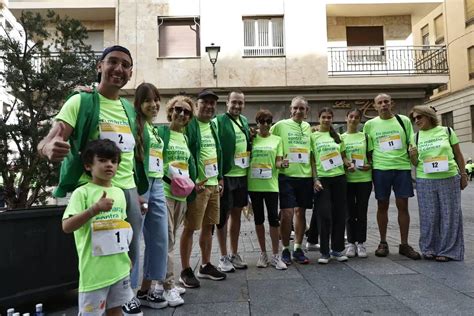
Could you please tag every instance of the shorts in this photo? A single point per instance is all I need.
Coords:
(295, 192)
(235, 196)
(271, 202)
(204, 210)
(98, 301)
(400, 180)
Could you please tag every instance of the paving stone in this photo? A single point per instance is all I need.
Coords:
(226, 308)
(284, 297)
(424, 295)
(167, 311)
(380, 305)
(378, 266)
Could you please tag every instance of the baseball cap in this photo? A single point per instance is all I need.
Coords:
(115, 48)
(207, 93)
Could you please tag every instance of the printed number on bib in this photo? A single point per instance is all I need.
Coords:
(121, 135)
(210, 168)
(331, 160)
(177, 168)
(261, 171)
(358, 160)
(298, 155)
(110, 237)
(435, 164)
(242, 160)
(389, 143)
(155, 161)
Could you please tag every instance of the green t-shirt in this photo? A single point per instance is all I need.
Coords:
(263, 174)
(113, 124)
(389, 143)
(435, 154)
(327, 154)
(155, 160)
(96, 272)
(468, 167)
(239, 154)
(207, 164)
(356, 151)
(176, 161)
(296, 147)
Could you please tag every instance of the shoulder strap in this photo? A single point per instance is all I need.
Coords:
(400, 121)
(449, 134)
(247, 136)
(417, 135)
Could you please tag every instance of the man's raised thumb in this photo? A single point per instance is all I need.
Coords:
(104, 195)
(60, 130)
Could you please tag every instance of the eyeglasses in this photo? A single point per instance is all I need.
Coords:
(386, 101)
(418, 117)
(268, 121)
(178, 110)
(114, 62)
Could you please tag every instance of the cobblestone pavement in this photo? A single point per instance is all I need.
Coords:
(391, 285)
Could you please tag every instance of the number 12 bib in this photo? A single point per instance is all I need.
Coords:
(435, 164)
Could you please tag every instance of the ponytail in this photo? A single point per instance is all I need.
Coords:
(332, 131)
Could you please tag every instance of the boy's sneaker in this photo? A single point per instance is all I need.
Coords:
(173, 298)
(225, 265)
(407, 251)
(312, 247)
(210, 272)
(132, 307)
(237, 261)
(263, 260)
(324, 259)
(286, 256)
(361, 251)
(188, 279)
(351, 250)
(153, 298)
(181, 290)
(382, 250)
(339, 256)
(278, 263)
(299, 256)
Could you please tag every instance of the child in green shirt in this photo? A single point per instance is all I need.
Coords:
(96, 214)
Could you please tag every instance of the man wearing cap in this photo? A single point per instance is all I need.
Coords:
(203, 204)
(234, 135)
(99, 115)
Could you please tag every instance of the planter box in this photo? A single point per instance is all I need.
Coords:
(37, 257)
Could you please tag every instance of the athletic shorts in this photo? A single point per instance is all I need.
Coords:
(399, 180)
(295, 192)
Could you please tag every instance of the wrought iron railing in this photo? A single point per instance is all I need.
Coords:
(387, 60)
(40, 60)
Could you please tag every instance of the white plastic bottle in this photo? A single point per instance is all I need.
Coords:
(39, 310)
(10, 311)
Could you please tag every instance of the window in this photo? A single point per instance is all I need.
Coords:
(469, 11)
(470, 56)
(425, 36)
(472, 123)
(366, 44)
(263, 36)
(439, 29)
(447, 119)
(95, 40)
(179, 37)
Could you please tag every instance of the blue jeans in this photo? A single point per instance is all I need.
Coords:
(155, 234)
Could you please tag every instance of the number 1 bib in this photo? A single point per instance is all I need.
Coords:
(155, 163)
(110, 237)
(261, 171)
(121, 135)
(435, 164)
(392, 142)
(298, 155)
(331, 160)
(242, 160)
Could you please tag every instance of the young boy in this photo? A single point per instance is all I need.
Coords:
(96, 214)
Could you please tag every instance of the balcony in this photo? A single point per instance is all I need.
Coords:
(387, 60)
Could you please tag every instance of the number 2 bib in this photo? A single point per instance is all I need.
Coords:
(435, 164)
(392, 142)
(110, 237)
(331, 160)
(121, 135)
(155, 163)
(261, 171)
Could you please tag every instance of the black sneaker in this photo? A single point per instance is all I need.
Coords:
(132, 307)
(188, 279)
(152, 299)
(210, 272)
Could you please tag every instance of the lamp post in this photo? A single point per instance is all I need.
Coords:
(213, 51)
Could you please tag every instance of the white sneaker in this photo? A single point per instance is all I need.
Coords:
(278, 263)
(181, 290)
(361, 251)
(351, 250)
(225, 265)
(263, 260)
(312, 247)
(172, 297)
(237, 261)
(324, 259)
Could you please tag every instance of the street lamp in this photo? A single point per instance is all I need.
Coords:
(213, 51)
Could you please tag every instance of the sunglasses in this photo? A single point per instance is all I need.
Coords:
(178, 110)
(268, 121)
(418, 117)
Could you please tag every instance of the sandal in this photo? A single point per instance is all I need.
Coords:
(442, 259)
(429, 257)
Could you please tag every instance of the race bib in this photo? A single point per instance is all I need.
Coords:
(358, 160)
(155, 163)
(242, 160)
(110, 237)
(298, 155)
(435, 164)
(261, 171)
(121, 135)
(389, 143)
(210, 168)
(177, 168)
(331, 160)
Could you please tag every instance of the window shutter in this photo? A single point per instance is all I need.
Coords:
(439, 27)
(179, 39)
(469, 9)
(249, 33)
